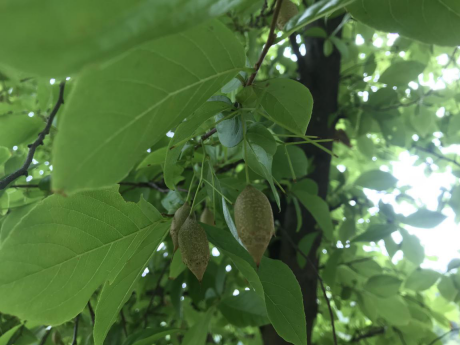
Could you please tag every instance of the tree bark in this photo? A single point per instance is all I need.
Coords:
(321, 75)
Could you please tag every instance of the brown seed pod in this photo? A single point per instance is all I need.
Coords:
(207, 217)
(287, 11)
(194, 246)
(179, 218)
(254, 221)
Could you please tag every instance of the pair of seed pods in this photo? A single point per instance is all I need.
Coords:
(254, 224)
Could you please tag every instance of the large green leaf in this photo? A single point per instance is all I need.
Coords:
(64, 249)
(186, 130)
(430, 21)
(16, 129)
(284, 301)
(318, 208)
(288, 102)
(401, 73)
(412, 248)
(393, 309)
(56, 38)
(282, 161)
(383, 285)
(376, 179)
(246, 309)
(147, 336)
(424, 218)
(421, 279)
(114, 114)
(114, 295)
(376, 232)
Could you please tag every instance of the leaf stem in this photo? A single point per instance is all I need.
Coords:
(190, 188)
(245, 150)
(201, 180)
(216, 190)
(290, 164)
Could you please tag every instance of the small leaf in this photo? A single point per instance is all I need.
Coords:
(401, 73)
(424, 218)
(318, 208)
(328, 48)
(246, 309)
(6, 337)
(284, 301)
(447, 288)
(281, 166)
(198, 333)
(454, 263)
(17, 129)
(330, 270)
(393, 309)
(376, 179)
(421, 279)
(230, 131)
(287, 102)
(347, 230)
(383, 285)
(412, 249)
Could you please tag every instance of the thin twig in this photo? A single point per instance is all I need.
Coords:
(270, 40)
(371, 333)
(208, 134)
(24, 186)
(437, 155)
(75, 330)
(443, 335)
(157, 287)
(321, 282)
(91, 312)
(22, 171)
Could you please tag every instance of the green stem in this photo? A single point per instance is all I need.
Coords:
(215, 189)
(309, 142)
(290, 164)
(201, 180)
(190, 188)
(279, 185)
(245, 150)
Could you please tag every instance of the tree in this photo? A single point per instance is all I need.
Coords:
(114, 115)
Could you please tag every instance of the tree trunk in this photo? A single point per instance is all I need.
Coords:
(321, 75)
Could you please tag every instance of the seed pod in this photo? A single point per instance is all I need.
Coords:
(194, 246)
(207, 217)
(254, 221)
(287, 11)
(179, 218)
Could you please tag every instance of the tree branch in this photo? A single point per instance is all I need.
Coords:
(270, 40)
(437, 155)
(91, 312)
(371, 333)
(453, 330)
(321, 282)
(23, 171)
(75, 330)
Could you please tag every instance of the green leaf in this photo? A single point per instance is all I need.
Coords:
(6, 337)
(447, 288)
(393, 309)
(186, 130)
(412, 249)
(421, 279)
(230, 131)
(424, 218)
(156, 157)
(287, 102)
(375, 233)
(17, 129)
(246, 309)
(260, 148)
(383, 285)
(454, 263)
(14, 217)
(177, 265)
(114, 295)
(64, 249)
(147, 336)
(46, 44)
(116, 113)
(330, 269)
(314, 12)
(366, 146)
(347, 230)
(401, 73)
(318, 208)
(281, 166)
(436, 22)
(5, 154)
(284, 301)
(198, 333)
(305, 246)
(424, 121)
(328, 48)
(376, 179)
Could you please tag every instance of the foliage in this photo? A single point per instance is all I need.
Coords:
(154, 103)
